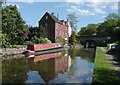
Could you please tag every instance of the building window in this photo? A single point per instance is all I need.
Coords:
(66, 28)
(60, 61)
(60, 26)
(46, 17)
(56, 63)
(66, 33)
(46, 25)
(63, 33)
(57, 32)
(60, 32)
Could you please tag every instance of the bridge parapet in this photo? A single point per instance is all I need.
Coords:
(97, 39)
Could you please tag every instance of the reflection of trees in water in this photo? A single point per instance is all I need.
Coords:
(84, 54)
(72, 53)
(14, 71)
(87, 54)
(45, 68)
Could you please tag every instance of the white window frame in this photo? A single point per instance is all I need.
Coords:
(46, 17)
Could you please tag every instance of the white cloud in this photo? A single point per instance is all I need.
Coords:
(96, 1)
(79, 11)
(114, 6)
(98, 10)
(13, 5)
(104, 16)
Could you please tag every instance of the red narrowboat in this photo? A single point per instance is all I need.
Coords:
(43, 47)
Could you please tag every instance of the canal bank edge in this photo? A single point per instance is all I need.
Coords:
(104, 69)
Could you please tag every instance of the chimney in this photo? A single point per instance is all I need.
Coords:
(67, 20)
(58, 15)
(53, 13)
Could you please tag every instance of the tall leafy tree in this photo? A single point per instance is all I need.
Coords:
(108, 27)
(72, 40)
(13, 24)
(37, 32)
(73, 20)
(89, 30)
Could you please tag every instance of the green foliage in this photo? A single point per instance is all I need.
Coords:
(89, 30)
(108, 27)
(28, 42)
(43, 40)
(73, 20)
(60, 40)
(72, 40)
(13, 25)
(37, 32)
(5, 40)
(112, 16)
(5, 55)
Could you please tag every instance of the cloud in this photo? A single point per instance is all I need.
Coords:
(104, 16)
(114, 6)
(8, 4)
(79, 11)
(75, 1)
(98, 10)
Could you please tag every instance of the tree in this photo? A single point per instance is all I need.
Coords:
(82, 31)
(13, 25)
(73, 20)
(72, 40)
(37, 32)
(108, 27)
(89, 30)
(112, 16)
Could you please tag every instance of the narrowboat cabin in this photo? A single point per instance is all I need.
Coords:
(43, 47)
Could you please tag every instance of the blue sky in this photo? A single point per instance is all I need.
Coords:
(86, 12)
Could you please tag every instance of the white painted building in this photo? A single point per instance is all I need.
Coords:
(69, 29)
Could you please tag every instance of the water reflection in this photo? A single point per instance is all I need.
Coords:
(70, 66)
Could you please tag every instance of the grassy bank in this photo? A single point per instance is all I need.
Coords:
(104, 70)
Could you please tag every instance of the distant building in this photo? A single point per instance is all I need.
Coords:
(55, 26)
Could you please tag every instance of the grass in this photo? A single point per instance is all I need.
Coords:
(106, 48)
(104, 71)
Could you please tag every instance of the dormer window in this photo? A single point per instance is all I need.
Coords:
(46, 17)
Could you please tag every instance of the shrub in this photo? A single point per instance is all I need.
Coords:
(72, 40)
(28, 42)
(60, 40)
(43, 40)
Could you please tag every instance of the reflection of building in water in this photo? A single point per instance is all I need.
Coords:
(69, 62)
(49, 68)
(61, 65)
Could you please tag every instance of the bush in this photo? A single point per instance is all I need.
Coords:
(43, 40)
(72, 40)
(28, 42)
(60, 40)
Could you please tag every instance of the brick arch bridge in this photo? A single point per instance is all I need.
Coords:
(94, 40)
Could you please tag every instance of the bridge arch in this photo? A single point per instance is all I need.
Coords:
(89, 43)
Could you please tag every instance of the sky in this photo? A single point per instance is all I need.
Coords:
(86, 11)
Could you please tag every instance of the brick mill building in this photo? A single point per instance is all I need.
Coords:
(55, 26)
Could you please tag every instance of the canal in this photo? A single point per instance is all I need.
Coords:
(67, 66)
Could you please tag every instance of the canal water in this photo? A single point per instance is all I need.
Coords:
(67, 66)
